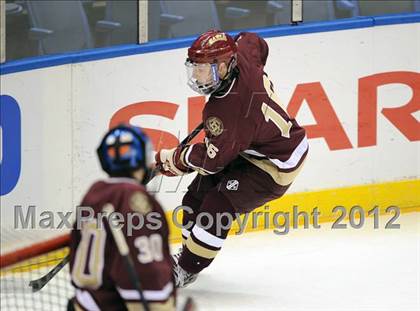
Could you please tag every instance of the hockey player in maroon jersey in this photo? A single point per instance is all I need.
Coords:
(252, 151)
(97, 269)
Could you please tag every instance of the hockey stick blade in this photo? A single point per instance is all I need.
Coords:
(41, 282)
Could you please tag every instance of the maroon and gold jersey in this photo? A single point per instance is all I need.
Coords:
(248, 119)
(97, 269)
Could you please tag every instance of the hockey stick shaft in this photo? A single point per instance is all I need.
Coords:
(194, 133)
(125, 253)
(41, 282)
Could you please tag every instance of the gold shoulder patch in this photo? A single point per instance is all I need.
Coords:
(214, 125)
(140, 203)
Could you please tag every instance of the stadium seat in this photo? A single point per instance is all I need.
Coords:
(350, 7)
(318, 10)
(280, 10)
(13, 8)
(368, 8)
(122, 17)
(120, 24)
(198, 16)
(59, 26)
(314, 10)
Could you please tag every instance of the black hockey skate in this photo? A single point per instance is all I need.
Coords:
(182, 277)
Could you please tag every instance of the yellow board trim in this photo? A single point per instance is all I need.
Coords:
(404, 194)
(36, 263)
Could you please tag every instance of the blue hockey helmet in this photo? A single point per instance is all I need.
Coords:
(125, 149)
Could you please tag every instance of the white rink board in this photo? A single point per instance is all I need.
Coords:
(66, 110)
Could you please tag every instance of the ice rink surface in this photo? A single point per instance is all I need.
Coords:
(316, 269)
(307, 269)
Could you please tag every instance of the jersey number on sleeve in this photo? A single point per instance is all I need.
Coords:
(150, 248)
(270, 114)
(89, 260)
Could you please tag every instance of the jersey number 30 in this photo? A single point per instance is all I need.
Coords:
(150, 248)
(90, 253)
(270, 114)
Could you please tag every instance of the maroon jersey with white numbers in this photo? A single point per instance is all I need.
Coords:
(97, 269)
(248, 118)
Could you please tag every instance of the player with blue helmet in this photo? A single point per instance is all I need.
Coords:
(98, 270)
(125, 151)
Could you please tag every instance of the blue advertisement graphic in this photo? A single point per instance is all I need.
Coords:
(10, 123)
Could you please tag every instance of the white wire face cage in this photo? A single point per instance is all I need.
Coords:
(203, 78)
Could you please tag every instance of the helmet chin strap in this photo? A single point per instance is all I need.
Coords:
(231, 74)
(231, 67)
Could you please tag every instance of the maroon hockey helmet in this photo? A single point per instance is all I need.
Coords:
(204, 56)
(211, 47)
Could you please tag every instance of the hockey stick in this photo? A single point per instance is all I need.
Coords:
(191, 136)
(125, 254)
(41, 282)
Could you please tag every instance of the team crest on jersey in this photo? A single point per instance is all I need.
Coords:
(140, 203)
(215, 126)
